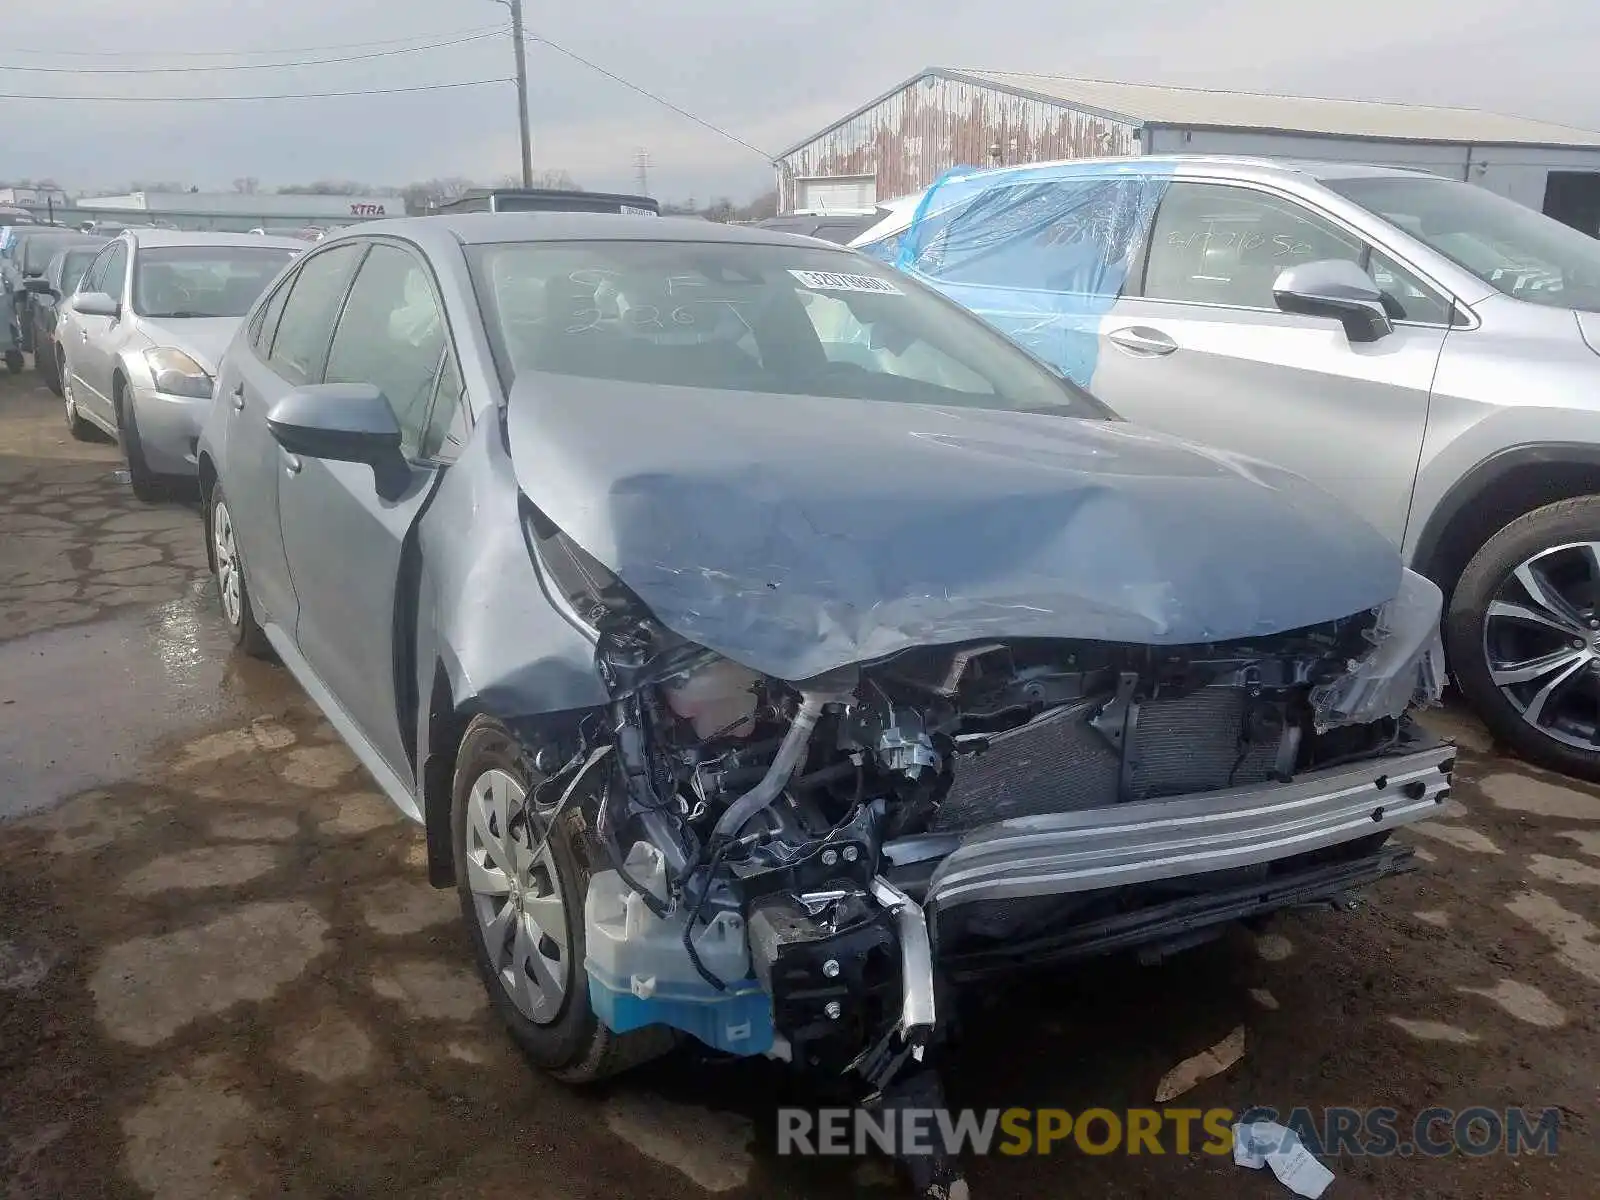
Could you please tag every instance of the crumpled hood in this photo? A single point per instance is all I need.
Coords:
(796, 534)
(201, 338)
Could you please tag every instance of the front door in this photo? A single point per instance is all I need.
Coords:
(92, 351)
(345, 543)
(1205, 353)
(289, 339)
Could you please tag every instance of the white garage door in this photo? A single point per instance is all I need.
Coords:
(836, 193)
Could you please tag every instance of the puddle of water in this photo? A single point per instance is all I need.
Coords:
(79, 706)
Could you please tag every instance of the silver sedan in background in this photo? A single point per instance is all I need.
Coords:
(141, 336)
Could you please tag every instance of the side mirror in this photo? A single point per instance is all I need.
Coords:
(97, 304)
(38, 285)
(1337, 288)
(343, 422)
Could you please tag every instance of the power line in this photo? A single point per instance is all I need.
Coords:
(665, 103)
(421, 87)
(273, 66)
(416, 37)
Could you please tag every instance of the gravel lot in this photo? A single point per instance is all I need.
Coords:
(223, 975)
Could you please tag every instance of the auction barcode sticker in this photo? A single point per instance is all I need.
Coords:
(828, 281)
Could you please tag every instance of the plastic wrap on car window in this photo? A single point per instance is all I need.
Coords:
(1403, 670)
(1041, 253)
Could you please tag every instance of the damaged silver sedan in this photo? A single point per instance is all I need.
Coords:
(768, 647)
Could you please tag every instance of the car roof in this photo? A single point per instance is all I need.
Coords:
(486, 228)
(187, 237)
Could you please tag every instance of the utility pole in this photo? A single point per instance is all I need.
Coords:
(522, 92)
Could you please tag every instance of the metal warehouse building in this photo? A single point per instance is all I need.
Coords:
(902, 141)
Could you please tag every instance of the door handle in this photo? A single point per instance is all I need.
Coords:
(292, 464)
(1142, 341)
(238, 398)
(83, 336)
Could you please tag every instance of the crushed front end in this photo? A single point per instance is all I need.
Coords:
(800, 869)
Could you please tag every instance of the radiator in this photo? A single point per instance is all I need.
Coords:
(1059, 762)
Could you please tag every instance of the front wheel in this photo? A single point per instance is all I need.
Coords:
(232, 590)
(522, 885)
(146, 483)
(1523, 636)
(48, 364)
(15, 362)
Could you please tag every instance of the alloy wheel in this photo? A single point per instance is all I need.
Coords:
(516, 892)
(227, 556)
(1541, 642)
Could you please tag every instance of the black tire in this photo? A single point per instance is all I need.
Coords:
(1566, 521)
(245, 631)
(15, 362)
(574, 1046)
(146, 484)
(49, 365)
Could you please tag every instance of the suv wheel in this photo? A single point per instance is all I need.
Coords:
(522, 884)
(1523, 635)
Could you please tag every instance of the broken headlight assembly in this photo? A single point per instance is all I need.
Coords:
(1403, 669)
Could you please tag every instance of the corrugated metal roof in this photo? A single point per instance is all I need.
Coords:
(1202, 108)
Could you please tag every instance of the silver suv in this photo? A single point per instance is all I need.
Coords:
(1424, 349)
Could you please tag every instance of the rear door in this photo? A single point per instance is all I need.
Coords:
(289, 342)
(344, 542)
(1200, 348)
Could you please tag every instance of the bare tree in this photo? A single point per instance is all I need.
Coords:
(426, 194)
(247, 185)
(551, 178)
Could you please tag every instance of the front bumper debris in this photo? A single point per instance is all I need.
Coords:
(1174, 925)
(1189, 835)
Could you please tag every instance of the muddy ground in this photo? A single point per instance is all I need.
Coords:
(223, 975)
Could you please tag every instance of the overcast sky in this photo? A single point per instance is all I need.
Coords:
(770, 79)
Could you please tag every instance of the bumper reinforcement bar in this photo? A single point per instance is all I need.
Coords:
(1086, 850)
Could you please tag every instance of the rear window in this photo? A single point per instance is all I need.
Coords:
(770, 320)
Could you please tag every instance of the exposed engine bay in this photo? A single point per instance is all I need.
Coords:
(793, 862)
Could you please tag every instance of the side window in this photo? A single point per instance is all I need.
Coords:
(1076, 236)
(1214, 244)
(114, 271)
(308, 313)
(1405, 296)
(96, 272)
(265, 322)
(392, 335)
(447, 424)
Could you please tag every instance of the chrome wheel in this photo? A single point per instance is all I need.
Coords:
(1541, 643)
(516, 893)
(227, 557)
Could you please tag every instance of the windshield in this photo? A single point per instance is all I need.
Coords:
(203, 281)
(771, 319)
(1513, 249)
